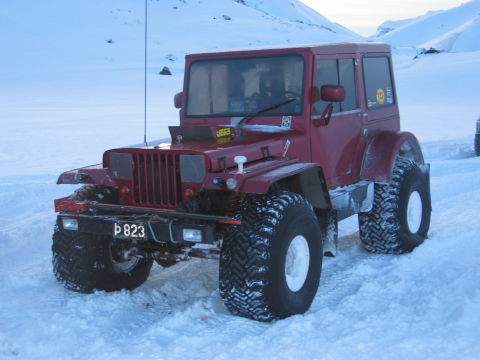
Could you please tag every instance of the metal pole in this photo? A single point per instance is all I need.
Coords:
(145, 80)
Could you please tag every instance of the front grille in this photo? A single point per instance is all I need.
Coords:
(156, 179)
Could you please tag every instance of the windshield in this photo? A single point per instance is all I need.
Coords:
(239, 87)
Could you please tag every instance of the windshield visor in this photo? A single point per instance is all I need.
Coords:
(239, 87)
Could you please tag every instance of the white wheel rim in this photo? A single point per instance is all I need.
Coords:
(297, 263)
(414, 212)
(125, 266)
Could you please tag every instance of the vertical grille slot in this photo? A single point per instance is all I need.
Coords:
(156, 179)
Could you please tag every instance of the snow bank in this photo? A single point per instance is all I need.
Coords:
(438, 95)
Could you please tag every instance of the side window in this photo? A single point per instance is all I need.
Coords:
(346, 74)
(327, 74)
(337, 72)
(378, 82)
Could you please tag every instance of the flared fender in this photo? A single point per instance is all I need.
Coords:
(94, 174)
(382, 151)
(306, 179)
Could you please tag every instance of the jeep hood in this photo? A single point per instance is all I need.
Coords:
(221, 151)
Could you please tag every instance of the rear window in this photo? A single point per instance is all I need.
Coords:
(378, 82)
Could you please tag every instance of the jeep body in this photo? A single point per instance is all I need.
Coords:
(320, 121)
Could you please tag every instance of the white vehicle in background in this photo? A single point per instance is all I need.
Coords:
(477, 138)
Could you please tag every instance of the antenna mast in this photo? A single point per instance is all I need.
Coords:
(145, 80)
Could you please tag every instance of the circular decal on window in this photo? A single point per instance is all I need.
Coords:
(380, 96)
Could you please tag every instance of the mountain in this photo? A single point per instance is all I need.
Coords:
(83, 60)
(298, 12)
(227, 24)
(54, 35)
(455, 30)
(391, 25)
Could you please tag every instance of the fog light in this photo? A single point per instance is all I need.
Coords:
(70, 224)
(193, 235)
(231, 183)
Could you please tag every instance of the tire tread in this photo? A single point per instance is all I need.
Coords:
(379, 228)
(246, 253)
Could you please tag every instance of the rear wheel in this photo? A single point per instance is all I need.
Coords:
(400, 217)
(270, 264)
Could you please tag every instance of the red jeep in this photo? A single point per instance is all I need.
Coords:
(274, 147)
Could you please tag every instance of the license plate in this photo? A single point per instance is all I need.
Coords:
(130, 230)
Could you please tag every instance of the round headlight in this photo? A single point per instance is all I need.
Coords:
(231, 183)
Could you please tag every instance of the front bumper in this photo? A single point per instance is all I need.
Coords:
(93, 207)
(161, 226)
(160, 231)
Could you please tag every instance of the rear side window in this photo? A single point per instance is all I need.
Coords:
(337, 72)
(378, 82)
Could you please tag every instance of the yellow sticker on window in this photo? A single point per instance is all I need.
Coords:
(380, 96)
(224, 132)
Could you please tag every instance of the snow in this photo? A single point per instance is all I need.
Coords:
(438, 95)
(67, 94)
(391, 25)
(266, 128)
(451, 30)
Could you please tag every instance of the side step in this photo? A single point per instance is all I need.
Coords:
(346, 201)
(352, 199)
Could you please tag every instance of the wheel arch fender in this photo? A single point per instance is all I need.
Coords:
(94, 174)
(306, 179)
(382, 151)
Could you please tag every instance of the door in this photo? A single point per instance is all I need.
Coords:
(335, 146)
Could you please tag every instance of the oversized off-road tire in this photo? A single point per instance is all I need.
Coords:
(400, 217)
(270, 264)
(85, 262)
(477, 144)
(94, 192)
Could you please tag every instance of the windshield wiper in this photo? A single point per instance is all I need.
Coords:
(244, 120)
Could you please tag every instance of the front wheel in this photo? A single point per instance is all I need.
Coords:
(85, 262)
(270, 264)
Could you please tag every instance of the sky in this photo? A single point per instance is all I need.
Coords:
(364, 17)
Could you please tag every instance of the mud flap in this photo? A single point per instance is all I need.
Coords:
(425, 169)
(328, 220)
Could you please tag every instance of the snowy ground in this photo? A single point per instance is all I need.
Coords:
(421, 305)
(424, 305)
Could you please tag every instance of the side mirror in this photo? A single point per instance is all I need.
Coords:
(178, 100)
(332, 93)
